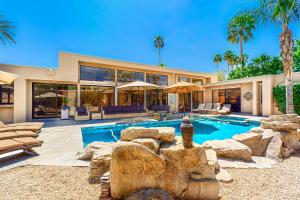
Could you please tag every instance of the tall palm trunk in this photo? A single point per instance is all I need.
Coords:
(159, 57)
(241, 51)
(286, 45)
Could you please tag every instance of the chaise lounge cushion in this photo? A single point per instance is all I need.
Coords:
(9, 144)
(28, 140)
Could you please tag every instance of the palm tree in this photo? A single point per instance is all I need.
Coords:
(159, 44)
(240, 30)
(228, 56)
(6, 34)
(283, 12)
(217, 60)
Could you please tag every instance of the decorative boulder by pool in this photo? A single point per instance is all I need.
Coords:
(230, 148)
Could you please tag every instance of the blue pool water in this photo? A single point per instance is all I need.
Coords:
(205, 129)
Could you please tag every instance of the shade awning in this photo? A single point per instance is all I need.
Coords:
(183, 87)
(139, 85)
(7, 78)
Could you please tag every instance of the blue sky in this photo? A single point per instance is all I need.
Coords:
(194, 30)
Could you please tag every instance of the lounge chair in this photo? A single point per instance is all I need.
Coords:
(26, 126)
(226, 109)
(17, 134)
(216, 107)
(24, 143)
(96, 114)
(200, 107)
(208, 106)
(81, 113)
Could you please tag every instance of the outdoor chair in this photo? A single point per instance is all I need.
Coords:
(81, 113)
(17, 134)
(97, 114)
(226, 109)
(23, 143)
(208, 106)
(26, 126)
(200, 107)
(216, 107)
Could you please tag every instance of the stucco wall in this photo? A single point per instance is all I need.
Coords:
(246, 105)
(6, 113)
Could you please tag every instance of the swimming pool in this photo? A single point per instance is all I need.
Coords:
(205, 129)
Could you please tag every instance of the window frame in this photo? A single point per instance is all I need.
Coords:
(10, 95)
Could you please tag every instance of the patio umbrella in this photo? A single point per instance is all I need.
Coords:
(7, 78)
(183, 87)
(139, 86)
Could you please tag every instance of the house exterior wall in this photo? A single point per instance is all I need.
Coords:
(68, 73)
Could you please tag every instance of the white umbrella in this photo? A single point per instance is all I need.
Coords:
(7, 78)
(139, 85)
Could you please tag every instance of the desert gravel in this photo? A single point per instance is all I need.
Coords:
(282, 182)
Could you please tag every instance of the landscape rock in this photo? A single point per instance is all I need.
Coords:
(224, 176)
(212, 158)
(230, 148)
(132, 133)
(150, 143)
(275, 147)
(134, 167)
(150, 194)
(202, 189)
(167, 134)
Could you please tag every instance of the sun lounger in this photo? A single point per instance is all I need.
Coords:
(226, 109)
(200, 107)
(26, 126)
(216, 107)
(16, 134)
(208, 106)
(24, 143)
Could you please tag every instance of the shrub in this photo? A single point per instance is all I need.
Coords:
(279, 97)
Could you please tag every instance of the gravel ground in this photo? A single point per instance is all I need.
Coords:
(281, 182)
(49, 182)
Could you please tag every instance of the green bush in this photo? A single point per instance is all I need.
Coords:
(279, 97)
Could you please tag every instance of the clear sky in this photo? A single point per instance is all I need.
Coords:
(194, 30)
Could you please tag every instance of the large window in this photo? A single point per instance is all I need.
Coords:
(6, 94)
(128, 76)
(157, 79)
(182, 78)
(197, 81)
(96, 74)
(156, 97)
(130, 98)
(231, 96)
(95, 96)
(48, 99)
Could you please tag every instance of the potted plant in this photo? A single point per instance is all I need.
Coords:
(65, 109)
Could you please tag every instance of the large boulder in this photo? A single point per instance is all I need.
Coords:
(274, 149)
(150, 143)
(132, 133)
(257, 141)
(230, 148)
(164, 134)
(134, 167)
(202, 189)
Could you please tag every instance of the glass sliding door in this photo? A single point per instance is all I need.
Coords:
(156, 97)
(231, 96)
(48, 99)
(95, 96)
(130, 98)
(185, 99)
(197, 98)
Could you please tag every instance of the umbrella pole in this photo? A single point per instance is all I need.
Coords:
(183, 108)
(139, 101)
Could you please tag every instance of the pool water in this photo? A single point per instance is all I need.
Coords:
(205, 129)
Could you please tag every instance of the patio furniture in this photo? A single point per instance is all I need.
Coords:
(200, 107)
(216, 107)
(123, 111)
(208, 106)
(81, 113)
(23, 143)
(16, 134)
(226, 109)
(96, 114)
(160, 108)
(26, 126)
